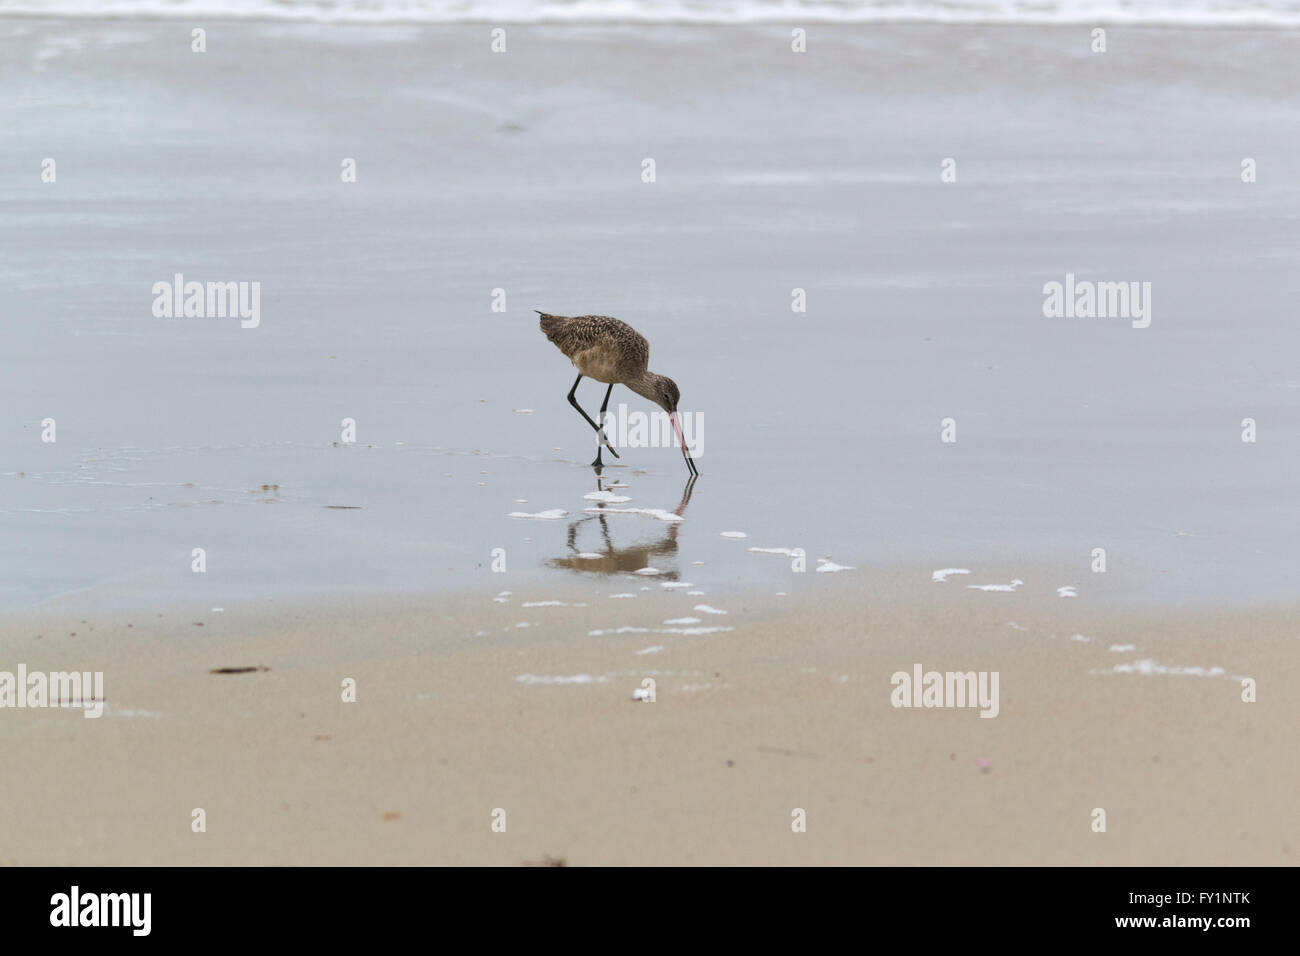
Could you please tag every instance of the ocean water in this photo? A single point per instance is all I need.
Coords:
(524, 173)
(1169, 12)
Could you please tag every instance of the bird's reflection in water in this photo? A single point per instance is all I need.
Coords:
(610, 559)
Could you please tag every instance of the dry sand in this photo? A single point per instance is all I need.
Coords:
(791, 709)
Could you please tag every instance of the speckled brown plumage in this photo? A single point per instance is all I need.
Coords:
(600, 347)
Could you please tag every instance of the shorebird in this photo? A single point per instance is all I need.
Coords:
(613, 352)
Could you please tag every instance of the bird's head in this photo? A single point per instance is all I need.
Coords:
(664, 393)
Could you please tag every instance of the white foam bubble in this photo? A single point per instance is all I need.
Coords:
(629, 629)
(607, 496)
(1015, 583)
(548, 515)
(131, 713)
(705, 609)
(1149, 668)
(652, 512)
(942, 574)
(826, 565)
(560, 679)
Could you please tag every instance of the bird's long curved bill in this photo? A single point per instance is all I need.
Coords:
(681, 440)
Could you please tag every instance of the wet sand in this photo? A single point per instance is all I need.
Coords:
(789, 710)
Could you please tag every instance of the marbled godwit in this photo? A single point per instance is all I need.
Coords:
(613, 352)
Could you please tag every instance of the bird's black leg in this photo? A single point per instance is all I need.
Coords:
(600, 434)
(573, 400)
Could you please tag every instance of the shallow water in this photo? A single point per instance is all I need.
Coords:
(522, 172)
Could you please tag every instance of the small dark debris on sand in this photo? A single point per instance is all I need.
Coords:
(547, 860)
(238, 670)
(344, 507)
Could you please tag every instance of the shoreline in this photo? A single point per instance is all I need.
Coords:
(879, 581)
